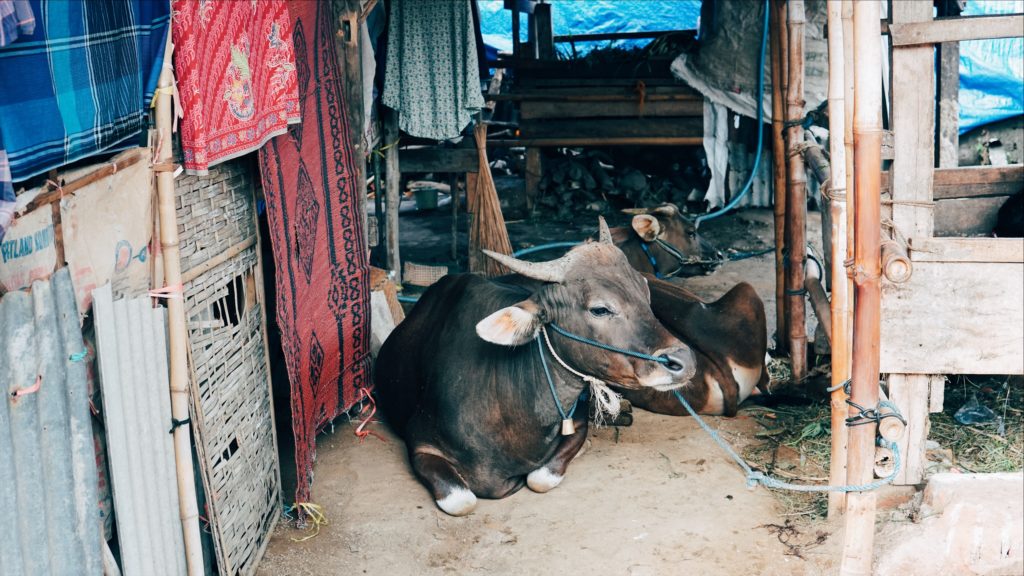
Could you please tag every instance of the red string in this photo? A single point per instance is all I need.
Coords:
(174, 291)
(30, 390)
(362, 434)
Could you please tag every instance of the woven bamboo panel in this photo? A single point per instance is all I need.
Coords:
(232, 410)
(214, 211)
(422, 274)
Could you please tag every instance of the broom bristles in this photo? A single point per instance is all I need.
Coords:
(488, 231)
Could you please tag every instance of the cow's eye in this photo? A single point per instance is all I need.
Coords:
(600, 311)
(691, 234)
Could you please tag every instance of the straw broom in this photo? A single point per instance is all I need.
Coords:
(487, 232)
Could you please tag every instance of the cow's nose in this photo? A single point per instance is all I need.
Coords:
(679, 361)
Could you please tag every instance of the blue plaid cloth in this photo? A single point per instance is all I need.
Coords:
(81, 83)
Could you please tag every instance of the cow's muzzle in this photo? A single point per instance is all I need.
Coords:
(677, 371)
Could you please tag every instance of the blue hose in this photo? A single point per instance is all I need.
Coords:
(760, 130)
(524, 251)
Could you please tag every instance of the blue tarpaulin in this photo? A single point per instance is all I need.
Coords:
(592, 17)
(991, 71)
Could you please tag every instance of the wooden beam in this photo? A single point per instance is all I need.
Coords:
(686, 126)
(438, 160)
(1007, 250)
(955, 29)
(591, 95)
(101, 171)
(796, 199)
(618, 36)
(393, 192)
(611, 141)
(534, 171)
(971, 181)
(193, 273)
(545, 43)
(532, 110)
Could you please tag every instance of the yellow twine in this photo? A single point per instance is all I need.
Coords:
(380, 151)
(315, 513)
(169, 90)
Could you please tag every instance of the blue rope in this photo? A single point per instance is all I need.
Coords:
(650, 257)
(78, 356)
(551, 385)
(755, 477)
(542, 247)
(760, 129)
(663, 359)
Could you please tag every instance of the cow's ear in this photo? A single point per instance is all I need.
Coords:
(511, 326)
(646, 226)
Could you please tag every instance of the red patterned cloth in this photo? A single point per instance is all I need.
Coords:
(316, 231)
(235, 67)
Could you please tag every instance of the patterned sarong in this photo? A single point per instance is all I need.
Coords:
(315, 220)
(236, 77)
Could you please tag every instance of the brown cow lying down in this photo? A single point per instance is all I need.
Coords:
(463, 379)
(729, 339)
(661, 242)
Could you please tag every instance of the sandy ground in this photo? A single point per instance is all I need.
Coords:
(656, 498)
(651, 499)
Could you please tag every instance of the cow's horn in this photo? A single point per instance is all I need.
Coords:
(553, 271)
(605, 235)
(668, 209)
(635, 211)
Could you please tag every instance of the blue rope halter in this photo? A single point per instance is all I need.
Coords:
(663, 359)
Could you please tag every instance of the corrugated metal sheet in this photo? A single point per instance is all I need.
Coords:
(49, 515)
(131, 342)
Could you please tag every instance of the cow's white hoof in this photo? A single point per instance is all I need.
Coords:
(541, 480)
(458, 502)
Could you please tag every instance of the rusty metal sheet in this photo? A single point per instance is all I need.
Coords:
(48, 485)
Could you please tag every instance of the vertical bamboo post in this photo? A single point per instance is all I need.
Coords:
(177, 332)
(796, 200)
(851, 205)
(867, 126)
(779, 173)
(841, 336)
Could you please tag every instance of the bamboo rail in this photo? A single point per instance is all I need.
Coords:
(867, 125)
(796, 200)
(177, 331)
(778, 171)
(840, 336)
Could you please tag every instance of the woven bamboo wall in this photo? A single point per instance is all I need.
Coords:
(231, 404)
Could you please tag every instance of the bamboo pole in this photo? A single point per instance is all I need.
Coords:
(779, 174)
(796, 200)
(867, 126)
(819, 299)
(841, 338)
(177, 332)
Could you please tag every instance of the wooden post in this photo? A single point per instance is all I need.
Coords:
(347, 46)
(177, 331)
(394, 192)
(534, 170)
(841, 336)
(453, 194)
(796, 200)
(867, 125)
(947, 134)
(545, 34)
(779, 172)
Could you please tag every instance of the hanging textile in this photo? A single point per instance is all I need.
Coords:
(76, 84)
(432, 78)
(236, 77)
(315, 220)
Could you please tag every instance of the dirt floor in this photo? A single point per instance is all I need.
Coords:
(655, 498)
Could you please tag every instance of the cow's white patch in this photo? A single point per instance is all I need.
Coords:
(541, 480)
(747, 378)
(716, 400)
(458, 502)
